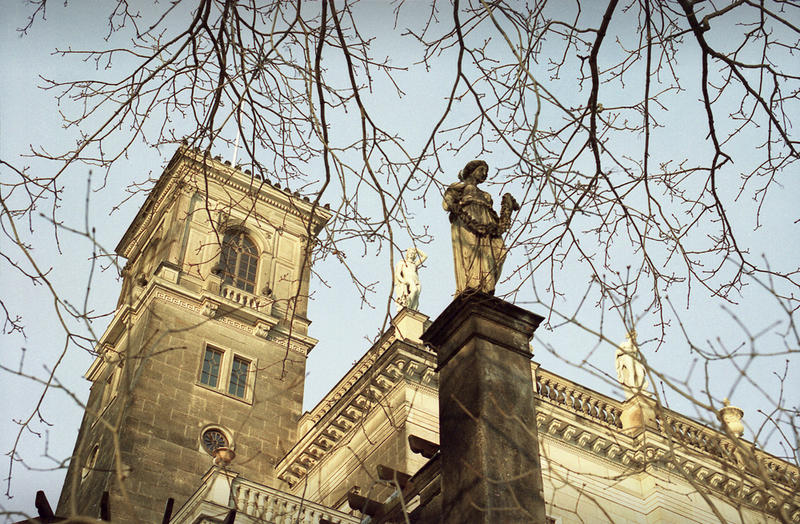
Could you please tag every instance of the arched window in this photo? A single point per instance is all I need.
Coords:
(239, 261)
(91, 462)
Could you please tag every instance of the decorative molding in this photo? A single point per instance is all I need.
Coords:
(172, 299)
(267, 193)
(294, 344)
(346, 408)
(209, 308)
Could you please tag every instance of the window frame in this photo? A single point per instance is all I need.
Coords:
(248, 366)
(226, 432)
(232, 276)
(227, 358)
(90, 463)
(211, 350)
(109, 380)
(226, 444)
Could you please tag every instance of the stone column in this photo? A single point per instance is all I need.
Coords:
(490, 466)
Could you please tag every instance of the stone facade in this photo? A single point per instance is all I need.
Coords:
(674, 471)
(148, 405)
(602, 460)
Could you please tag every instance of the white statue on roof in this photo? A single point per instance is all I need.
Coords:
(631, 371)
(406, 279)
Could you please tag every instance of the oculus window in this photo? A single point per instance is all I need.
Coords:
(213, 439)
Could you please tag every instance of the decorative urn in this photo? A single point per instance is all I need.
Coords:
(731, 418)
(223, 456)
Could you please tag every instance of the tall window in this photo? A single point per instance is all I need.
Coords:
(91, 462)
(238, 377)
(239, 261)
(210, 374)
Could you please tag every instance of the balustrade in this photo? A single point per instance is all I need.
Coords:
(277, 507)
(554, 390)
(245, 299)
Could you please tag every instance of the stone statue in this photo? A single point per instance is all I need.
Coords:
(630, 371)
(476, 229)
(406, 279)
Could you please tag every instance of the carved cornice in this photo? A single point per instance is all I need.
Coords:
(356, 372)
(389, 364)
(215, 308)
(652, 451)
(186, 161)
(272, 194)
(585, 421)
(144, 217)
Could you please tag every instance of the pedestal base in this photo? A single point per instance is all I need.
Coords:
(490, 464)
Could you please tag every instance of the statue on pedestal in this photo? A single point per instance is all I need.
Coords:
(406, 279)
(630, 370)
(477, 230)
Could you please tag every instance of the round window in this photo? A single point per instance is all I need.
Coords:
(213, 439)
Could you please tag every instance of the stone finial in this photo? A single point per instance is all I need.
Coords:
(731, 418)
(406, 279)
(631, 372)
(477, 230)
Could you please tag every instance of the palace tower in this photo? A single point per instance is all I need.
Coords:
(208, 345)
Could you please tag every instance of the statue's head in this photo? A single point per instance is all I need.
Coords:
(478, 169)
(411, 254)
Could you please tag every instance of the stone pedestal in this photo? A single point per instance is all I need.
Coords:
(488, 439)
(638, 414)
(409, 324)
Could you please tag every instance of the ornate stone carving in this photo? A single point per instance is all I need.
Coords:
(406, 279)
(630, 370)
(210, 309)
(477, 230)
(262, 330)
(111, 355)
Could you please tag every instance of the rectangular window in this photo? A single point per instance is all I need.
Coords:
(227, 373)
(211, 362)
(238, 377)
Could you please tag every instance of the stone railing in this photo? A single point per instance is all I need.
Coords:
(556, 390)
(274, 506)
(695, 435)
(245, 299)
(222, 490)
(713, 442)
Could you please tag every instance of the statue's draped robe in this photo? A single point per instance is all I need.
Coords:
(478, 251)
(631, 373)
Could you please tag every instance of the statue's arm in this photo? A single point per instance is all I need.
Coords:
(398, 274)
(422, 257)
(452, 195)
